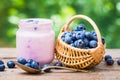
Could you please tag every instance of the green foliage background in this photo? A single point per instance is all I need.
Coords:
(106, 14)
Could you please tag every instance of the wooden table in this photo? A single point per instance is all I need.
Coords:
(100, 72)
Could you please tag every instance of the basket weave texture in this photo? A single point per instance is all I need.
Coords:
(75, 57)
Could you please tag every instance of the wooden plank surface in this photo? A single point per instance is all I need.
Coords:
(100, 72)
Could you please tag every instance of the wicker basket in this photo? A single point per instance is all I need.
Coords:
(75, 57)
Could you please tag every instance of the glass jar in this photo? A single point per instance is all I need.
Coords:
(35, 40)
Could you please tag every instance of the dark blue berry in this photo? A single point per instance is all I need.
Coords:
(68, 39)
(35, 65)
(1, 62)
(28, 64)
(30, 61)
(46, 66)
(110, 61)
(93, 33)
(63, 38)
(118, 61)
(103, 40)
(74, 36)
(2, 67)
(72, 44)
(107, 57)
(94, 38)
(58, 64)
(86, 41)
(80, 35)
(79, 44)
(10, 64)
(80, 27)
(93, 44)
(88, 35)
(22, 61)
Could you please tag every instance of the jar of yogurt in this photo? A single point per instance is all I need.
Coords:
(35, 40)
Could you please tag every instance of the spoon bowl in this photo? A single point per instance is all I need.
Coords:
(31, 70)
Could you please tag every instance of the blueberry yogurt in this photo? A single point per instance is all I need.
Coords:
(35, 40)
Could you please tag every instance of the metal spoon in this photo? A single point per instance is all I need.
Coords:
(31, 70)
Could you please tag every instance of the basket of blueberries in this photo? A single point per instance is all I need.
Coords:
(79, 48)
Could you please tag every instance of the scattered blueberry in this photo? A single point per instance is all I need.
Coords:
(58, 64)
(46, 66)
(22, 61)
(118, 61)
(110, 61)
(10, 64)
(107, 57)
(2, 67)
(1, 62)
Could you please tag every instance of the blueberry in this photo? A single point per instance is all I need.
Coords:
(72, 44)
(22, 61)
(35, 65)
(88, 35)
(68, 34)
(10, 64)
(68, 39)
(110, 61)
(107, 57)
(63, 38)
(46, 66)
(118, 61)
(86, 41)
(28, 64)
(2, 67)
(93, 44)
(73, 36)
(103, 40)
(86, 47)
(93, 33)
(80, 35)
(79, 44)
(30, 61)
(58, 64)
(80, 27)
(1, 62)
(94, 37)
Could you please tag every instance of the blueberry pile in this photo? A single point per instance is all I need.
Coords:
(29, 63)
(35, 64)
(81, 38)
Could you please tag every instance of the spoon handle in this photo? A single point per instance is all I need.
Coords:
(66, 68)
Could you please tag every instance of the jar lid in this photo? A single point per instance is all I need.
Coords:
(42, 23)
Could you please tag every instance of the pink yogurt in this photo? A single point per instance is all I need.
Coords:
(35, 40)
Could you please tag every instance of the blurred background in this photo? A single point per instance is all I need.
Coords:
(106, 14)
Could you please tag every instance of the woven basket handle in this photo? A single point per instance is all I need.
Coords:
(66, 26)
